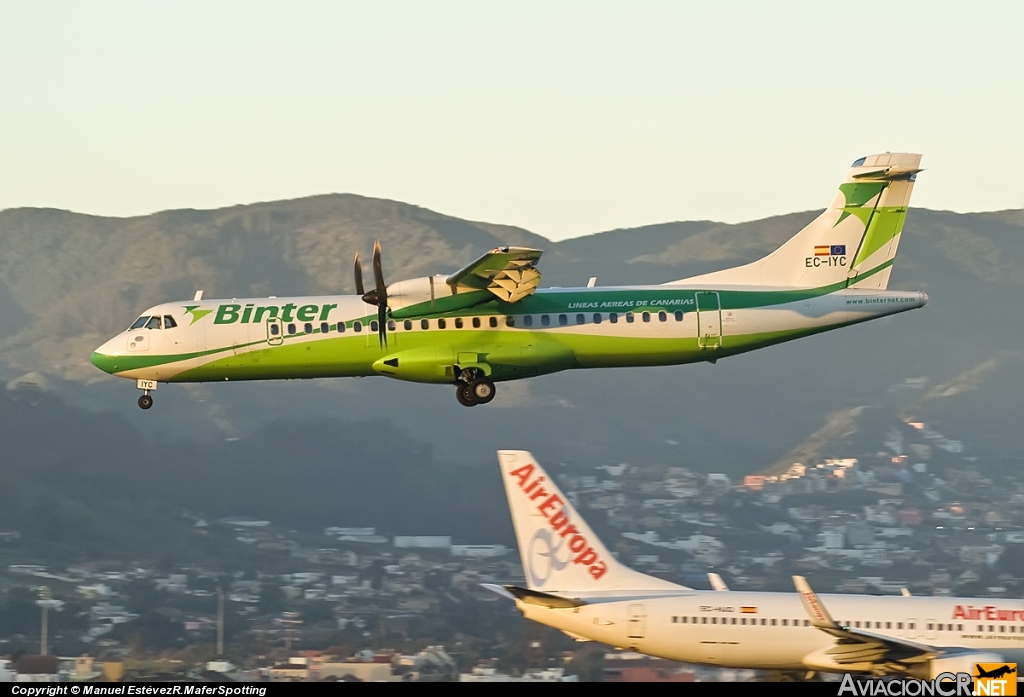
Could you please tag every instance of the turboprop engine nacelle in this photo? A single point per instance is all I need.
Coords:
(430, 294)
(418, 290)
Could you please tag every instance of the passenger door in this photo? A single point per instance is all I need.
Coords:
(709, 320)
(637, 621)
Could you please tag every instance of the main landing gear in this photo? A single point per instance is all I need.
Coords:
(474, 388)
(145, 401)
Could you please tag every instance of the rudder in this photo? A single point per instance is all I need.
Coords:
(851, 244)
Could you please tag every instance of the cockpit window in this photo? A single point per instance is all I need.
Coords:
(169, 322)
(140, 323)
(153, 323)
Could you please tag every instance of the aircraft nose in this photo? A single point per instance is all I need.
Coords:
(104, 358)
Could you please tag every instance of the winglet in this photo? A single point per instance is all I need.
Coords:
(815, 609)
(716, 582)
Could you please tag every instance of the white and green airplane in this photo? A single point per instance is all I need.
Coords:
(573, 583)
(489, 322)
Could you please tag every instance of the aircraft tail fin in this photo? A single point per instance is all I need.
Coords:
(560, 552)
(852, 244)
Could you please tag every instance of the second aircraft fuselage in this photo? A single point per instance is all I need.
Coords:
(772, 630)
(552, 330)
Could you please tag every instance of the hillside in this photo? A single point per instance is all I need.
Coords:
(67, 281)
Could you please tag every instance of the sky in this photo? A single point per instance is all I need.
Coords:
(565, 118)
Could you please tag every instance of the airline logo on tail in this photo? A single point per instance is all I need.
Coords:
(560, 535)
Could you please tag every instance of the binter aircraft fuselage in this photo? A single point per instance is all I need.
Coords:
(489, 322)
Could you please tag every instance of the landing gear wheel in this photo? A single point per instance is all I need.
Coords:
(464, 394)
(145, 401)
(482, 390)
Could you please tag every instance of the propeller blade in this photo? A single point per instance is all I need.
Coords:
(380, 294)
(359, 276)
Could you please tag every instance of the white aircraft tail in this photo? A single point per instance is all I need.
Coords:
(560, 553)
(851, 245)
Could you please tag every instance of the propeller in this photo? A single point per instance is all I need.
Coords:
(359, 276)
(378, 295)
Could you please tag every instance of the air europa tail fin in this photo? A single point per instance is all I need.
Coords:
(560, 552)
(852, 244)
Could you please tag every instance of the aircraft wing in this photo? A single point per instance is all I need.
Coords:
(508, 272)
(855, 649)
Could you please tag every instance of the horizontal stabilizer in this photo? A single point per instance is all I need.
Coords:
(543, 599)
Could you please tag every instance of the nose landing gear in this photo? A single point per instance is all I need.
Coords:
(145, 401)
(474, 388)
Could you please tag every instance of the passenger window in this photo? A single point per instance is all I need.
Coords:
(545, 320)
(510, 321)
(341, 327)
(308, 327)
(528, 320)
(785, 623)
(357, 326)
(274, 330)
(458, 323)
(441, 324)
(679, 315)
(476, 323)
(424, 324)
(169, 322)
(629, 318)
(597, 318)
(407, 324)
(139, 323)
(580, 319)
(291, 329)
(562, 320)
(613, 317)
(493, 321)
(324, 327)
(374, 327)
(153, 323)
(391, 325)
(662, 316)
(774, 621)
(646, 316)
